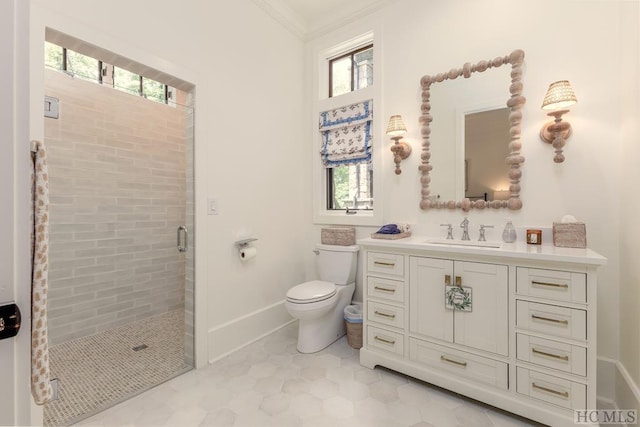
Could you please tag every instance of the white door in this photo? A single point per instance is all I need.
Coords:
(486, 326)
(427, 313)
(14, 126)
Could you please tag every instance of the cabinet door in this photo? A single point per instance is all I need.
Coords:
(486, 326)
(428, 316)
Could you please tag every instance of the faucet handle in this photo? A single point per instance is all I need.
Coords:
(482, 229)
(449, 230)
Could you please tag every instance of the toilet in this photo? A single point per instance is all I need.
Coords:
(319, 304)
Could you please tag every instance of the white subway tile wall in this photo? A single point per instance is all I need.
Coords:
(118, 172)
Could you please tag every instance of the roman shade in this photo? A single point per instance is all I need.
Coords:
(346, 134)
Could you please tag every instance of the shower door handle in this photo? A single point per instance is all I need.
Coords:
(9, 321)
(182, 239)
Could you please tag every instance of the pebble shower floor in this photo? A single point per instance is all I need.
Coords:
(99, 371)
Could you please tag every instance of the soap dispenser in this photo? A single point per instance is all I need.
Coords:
(509, 233)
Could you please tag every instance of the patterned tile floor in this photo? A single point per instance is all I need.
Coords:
(269, 383)
(98, 371)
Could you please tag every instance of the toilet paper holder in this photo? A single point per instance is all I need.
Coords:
(241, 244)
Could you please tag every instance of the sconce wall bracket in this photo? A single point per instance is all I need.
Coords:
(400, 150)
(556, 133)
(547, 133)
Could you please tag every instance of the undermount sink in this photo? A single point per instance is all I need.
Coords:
(473, 243)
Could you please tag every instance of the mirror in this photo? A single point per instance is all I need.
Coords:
(459, 123)
(485, 173)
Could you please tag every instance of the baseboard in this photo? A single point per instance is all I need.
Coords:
(231, 336)
(627, 391)
(616, 388)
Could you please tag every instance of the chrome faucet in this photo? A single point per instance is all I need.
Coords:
(449, 231)
(465, 229)
(482, 238)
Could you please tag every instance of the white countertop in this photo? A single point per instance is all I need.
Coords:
(517, 250)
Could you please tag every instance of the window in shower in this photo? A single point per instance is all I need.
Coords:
(126, 81)
(92, 69)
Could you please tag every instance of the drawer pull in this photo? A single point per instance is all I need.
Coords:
(378, 288)
(554, 285)
(564, 394)
(385, 264)
(455, 362)
(548, 319)
(390, 316)
(384, 340)
(555, 356)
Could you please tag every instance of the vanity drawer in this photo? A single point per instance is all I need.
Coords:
(384, 313)
(551, 319)
(550, 389)
(554, 284)
(381, 339)
(390, 264)
(552, 354)
(477, 368)
(388, 289)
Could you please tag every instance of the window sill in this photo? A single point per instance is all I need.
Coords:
(364, 218)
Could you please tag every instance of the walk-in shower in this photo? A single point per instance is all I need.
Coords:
(120, 301)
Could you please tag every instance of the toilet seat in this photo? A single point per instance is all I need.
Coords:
(310, 292)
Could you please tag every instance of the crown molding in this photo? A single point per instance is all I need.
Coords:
(285, 16)
(305, 31)
(335, 22)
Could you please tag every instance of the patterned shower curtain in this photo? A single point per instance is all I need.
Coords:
(40, 381)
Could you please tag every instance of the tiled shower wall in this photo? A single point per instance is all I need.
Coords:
(117, 182)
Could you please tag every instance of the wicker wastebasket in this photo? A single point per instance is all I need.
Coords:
(353, 322)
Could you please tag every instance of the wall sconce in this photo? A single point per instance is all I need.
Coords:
(559, 98)
(400, 150)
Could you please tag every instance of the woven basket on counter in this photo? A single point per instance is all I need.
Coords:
(570, 234)
(341, 236)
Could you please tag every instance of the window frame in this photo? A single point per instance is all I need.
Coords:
(351, 54)
(103, 78)
(322, 102)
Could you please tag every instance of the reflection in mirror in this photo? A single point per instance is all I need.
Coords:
(439, 147)
(486, 134)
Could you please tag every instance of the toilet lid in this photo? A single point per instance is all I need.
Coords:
(313, 291)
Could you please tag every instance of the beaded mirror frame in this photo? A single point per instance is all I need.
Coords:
(514, 159)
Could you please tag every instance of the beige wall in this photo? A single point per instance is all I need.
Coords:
(117, 181)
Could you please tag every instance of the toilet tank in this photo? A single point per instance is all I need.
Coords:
(337, 264)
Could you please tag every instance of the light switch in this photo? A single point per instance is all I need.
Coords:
(212, 207)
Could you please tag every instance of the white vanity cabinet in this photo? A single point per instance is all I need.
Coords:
(522, 337)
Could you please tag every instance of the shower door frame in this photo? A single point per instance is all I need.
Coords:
(39, 19)
(15, 192)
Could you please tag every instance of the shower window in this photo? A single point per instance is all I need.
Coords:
(54, 56)
(126, 81)
(154, 90)
(92, 69)
(82, 66)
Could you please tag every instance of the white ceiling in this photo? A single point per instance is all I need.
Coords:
(310, 18)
